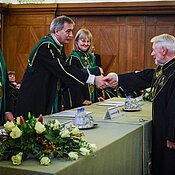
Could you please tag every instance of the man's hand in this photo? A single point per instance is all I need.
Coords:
(101, 99)
(112, 80)
(87, 102)
(100, 82)
(170, 144)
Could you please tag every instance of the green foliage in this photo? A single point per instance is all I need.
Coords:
(32, 138)
(147, 96)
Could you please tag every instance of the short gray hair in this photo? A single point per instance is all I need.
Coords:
(165, 40)
(58, 23)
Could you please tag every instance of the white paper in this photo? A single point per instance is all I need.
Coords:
(69, 113)
(111, 103)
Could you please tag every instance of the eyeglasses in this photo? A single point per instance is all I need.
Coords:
(85, 41)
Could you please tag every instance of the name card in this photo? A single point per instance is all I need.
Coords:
(112, 113)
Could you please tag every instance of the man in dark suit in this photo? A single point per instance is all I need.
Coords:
(40, 88)
(162, 82)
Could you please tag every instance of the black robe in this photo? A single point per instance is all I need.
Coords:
(162, 81)
(74, 96)
(7, 105)
(97, 59)
(42, 79)
(5, 97)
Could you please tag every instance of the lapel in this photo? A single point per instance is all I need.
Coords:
(161, 76)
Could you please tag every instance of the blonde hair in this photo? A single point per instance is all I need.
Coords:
(165, 40)
(83, 34)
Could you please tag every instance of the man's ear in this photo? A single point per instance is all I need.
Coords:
(164, 51)
(57, 31)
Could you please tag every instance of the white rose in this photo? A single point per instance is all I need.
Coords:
(73, 155)
(18, 121)
(84, 151)
(65, 133)
(39, 127)
(45, 161)
(146, 94)
(16, 132)
(92, 147)
(9, 125)
(75, 131)
(56, 125)
(16, 160)
(51, 125)
(148, 89)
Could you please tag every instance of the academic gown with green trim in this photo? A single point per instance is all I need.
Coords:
(74, 96)
(163, 82)
(46, 70)
(5, 98)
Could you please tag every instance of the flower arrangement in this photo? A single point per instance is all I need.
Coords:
(147, 95)
(31, 138)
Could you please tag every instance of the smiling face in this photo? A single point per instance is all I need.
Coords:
(84, 43)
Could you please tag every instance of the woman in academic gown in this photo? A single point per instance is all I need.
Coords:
(82, 58)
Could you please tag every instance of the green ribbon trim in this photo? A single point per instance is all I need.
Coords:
(47, 39)
(3, 80)
(87, 61)
(56, 107)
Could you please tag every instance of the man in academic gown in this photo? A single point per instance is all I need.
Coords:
(162, 81)
(46, 68)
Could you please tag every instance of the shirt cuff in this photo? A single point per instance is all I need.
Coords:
(116, 77)
(91, 79)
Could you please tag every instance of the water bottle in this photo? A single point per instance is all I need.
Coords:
(128, 102)
(77, 120)
(83, 118)
(87, 120)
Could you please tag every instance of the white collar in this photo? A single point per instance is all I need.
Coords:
(55, 39)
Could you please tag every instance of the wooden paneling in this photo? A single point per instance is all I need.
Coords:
(121, 31)
(117, 8)
(118, 39)
(23, 30)
(3, 9)
(156, 25)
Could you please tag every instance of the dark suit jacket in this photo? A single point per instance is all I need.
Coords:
(41, 81)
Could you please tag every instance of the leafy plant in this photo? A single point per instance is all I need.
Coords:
(32, 138)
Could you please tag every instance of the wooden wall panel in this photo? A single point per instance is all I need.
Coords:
(121, 31)
(119, 40)
(105, 32)
(132, 43)
(108, 48)
(24, 38)
(23, 30)
(156, 25)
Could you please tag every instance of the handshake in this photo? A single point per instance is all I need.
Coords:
(111, 80)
